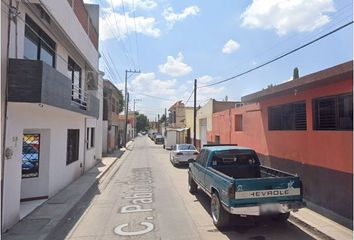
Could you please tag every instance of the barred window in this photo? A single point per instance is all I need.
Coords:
(333, 112)
(290, 116)
(72, 149)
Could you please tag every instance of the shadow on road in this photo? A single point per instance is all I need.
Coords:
(71, 219)
(182, 167)
(250, 228)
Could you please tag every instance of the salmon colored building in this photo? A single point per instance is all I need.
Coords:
(304, 126)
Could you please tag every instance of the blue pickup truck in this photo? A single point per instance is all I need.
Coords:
(238, 184)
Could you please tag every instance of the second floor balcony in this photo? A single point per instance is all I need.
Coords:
(33, 81)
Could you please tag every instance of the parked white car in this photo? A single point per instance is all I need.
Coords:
(181, 153)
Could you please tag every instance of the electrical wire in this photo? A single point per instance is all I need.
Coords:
(126, 28)
(119, 37)
(189, 97)
(136, 37)
(114, 67)
(147, 95)
(109, 68)
(339, 13)
(277, 58)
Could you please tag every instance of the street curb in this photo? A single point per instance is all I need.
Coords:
(113, 168)
(99, 180)
(103, 173)
(307, 228)
(124, 155)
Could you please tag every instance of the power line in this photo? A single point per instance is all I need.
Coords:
(136, 37)
(119, 37)
(336, 20)
(189, 97)
(126, 28)
(163, 99)
(280, 57)
(110, 70)
(114, 66)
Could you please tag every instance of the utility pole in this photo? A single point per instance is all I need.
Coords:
(134, 124)
(127, 102)
(165, 122)
(126, 118)
(158, 123)
(195, 114)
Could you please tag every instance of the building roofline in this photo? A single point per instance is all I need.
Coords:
(327, 76)
(111, 84)
(175, 104)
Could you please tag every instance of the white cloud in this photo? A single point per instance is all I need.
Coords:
(171, 17)
(175, 67)
(286, 16)
(113, 24)
(230, 47)
(147, 82)
(143, 4)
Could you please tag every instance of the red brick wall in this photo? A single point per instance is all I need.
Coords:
(83, 17)
(81, 13)
(328, 149)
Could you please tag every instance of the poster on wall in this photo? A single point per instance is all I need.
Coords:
(30, 155)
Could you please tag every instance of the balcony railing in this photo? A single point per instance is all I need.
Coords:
(33, 81)
(79, 96)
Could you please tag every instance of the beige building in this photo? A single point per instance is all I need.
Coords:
(181, 116)
(177, 115)
(205, 118)
(188, 123)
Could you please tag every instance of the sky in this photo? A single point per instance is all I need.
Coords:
(174, 42)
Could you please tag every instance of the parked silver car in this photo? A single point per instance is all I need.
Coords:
(181, 153)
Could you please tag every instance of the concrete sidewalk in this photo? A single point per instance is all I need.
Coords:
(39, 224)
(326, 227)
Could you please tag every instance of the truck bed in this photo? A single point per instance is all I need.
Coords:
(251, 172)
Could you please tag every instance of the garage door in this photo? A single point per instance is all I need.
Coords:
(203, 131)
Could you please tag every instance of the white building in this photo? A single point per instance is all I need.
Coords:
(54, 114)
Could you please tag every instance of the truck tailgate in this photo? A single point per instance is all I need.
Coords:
(267, 190)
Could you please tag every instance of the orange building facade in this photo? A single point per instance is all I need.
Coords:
(304, 126)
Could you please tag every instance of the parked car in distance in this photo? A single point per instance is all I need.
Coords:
(181, 153)
(238, 184)
(152, 135)
(159, 139)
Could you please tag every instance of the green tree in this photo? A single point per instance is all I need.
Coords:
(142, 122)
(162, 118)
(120, 101)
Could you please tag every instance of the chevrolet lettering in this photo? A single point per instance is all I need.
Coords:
(238, 184)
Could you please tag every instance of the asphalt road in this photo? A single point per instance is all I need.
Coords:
(148, 198)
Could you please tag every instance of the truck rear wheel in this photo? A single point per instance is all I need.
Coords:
(192, 186)
(281, 217)
(220, 216)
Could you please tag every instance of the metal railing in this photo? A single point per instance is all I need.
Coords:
(79, 96)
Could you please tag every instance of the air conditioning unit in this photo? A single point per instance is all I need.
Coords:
(92, 80)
